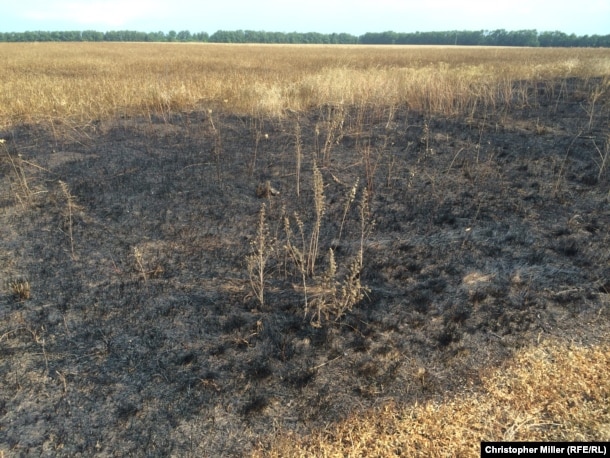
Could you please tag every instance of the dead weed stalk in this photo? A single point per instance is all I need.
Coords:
(297, 255)
(137, 254)
(298, 146)
(320, 206)
(333, 121)
(329, 292)
(20, 289)
(71, 207)
(23, 193)
(332, 293)
(217, 146)
(141, 266)
(603, 156)
(256, 262)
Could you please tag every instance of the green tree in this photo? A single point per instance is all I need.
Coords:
(201, 36)
(92, 35)
(184, 35)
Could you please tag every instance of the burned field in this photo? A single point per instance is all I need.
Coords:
(128, 321)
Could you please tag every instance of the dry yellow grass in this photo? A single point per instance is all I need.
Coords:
(554, 392)
(85, 81)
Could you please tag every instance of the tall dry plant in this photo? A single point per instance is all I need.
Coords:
(299, 148)
(70, 209)
(334, 119)
(366, 224)
(594, 97)
(217, 146)
(23, 194)
(256, 125)
(334, 291)
(319, 202)
(603, 156)
(337, 293)
(256, 262)
(297, 255)
(348, 202)
(325, 299)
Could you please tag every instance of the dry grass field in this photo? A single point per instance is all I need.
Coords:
(80, 82)
(247, 250)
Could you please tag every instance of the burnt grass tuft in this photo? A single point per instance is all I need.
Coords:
(143, 333)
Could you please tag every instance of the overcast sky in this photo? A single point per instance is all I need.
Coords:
(583, 17)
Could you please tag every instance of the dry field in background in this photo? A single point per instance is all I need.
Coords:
(82, 82)
(132, 178)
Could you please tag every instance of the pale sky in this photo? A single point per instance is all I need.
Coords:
(582, 17)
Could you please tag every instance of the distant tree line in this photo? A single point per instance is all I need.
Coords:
(499, 37)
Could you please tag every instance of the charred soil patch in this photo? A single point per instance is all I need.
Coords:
(139, 333)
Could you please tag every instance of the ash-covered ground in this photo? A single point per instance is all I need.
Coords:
(140, 335)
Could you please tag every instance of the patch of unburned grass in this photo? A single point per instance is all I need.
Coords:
(554, 392)
(81, 82)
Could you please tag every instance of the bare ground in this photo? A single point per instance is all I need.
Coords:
(141, 336)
